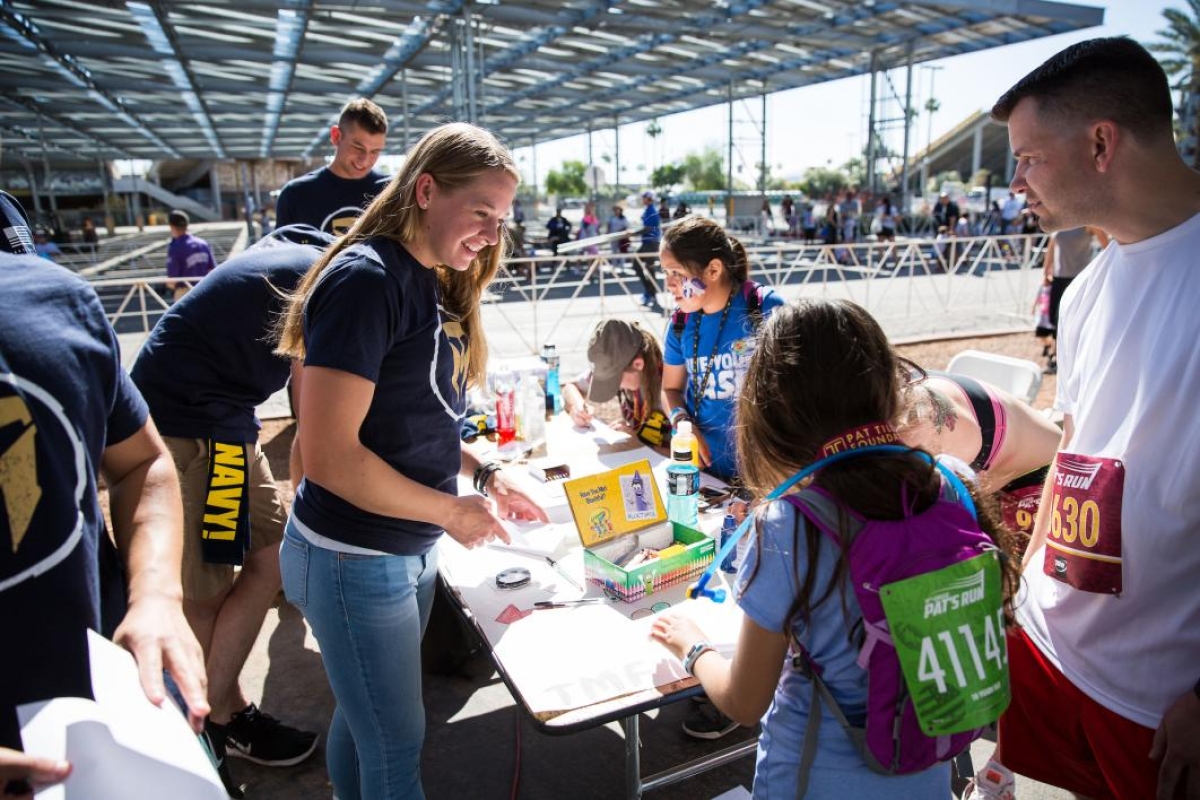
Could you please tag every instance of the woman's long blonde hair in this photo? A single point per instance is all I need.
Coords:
(454, 155)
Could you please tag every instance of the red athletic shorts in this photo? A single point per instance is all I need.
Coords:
(1056, 734)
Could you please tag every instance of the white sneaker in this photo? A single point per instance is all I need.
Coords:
(993, 782)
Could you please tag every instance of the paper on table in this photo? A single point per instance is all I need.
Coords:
(599, 653)
(121, 746)
(535, 538)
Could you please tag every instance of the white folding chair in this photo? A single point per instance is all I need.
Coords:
(1019, 377)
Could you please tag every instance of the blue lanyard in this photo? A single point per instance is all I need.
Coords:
(700, 587)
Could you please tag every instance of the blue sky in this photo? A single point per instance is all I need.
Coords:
(826, 124)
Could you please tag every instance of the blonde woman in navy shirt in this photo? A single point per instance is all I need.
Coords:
(388, 327)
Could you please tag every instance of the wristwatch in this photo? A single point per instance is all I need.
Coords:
(698, 649)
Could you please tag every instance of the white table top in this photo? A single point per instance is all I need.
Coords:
(573, 659)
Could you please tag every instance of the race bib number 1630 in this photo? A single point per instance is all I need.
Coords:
(1083, 547)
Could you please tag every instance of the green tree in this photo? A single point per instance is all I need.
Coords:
(980, 178)
(855, 170)
(567, 181)
(821, 181)
(1180, 49)
(705, 171)
(667, 175)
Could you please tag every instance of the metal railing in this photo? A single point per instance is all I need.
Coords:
(914, 288)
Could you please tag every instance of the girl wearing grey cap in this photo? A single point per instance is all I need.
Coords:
(626, 363)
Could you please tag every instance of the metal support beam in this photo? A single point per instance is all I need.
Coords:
(617, 153)
(908, 120)
(79, 75)
(872, 139)
(729, 163)
(154, 20)
(33, 107)
(762, 169)
(404, 107)
(291, 24)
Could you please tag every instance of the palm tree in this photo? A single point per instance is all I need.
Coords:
(1181, 50)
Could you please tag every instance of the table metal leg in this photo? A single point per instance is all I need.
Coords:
(633, 758)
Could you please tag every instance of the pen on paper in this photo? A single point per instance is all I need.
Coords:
(561, 571)
(543, 604)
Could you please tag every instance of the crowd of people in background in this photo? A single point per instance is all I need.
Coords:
(366, 299)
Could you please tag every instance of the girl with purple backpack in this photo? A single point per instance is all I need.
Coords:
(824, 382)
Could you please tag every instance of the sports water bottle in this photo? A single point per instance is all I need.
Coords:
(683, 494)
(684, 447)
(553, 389)
(728, 527)
(506, 411)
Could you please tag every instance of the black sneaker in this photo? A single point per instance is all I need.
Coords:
(259, 737)
(707, 722)
(213, 740)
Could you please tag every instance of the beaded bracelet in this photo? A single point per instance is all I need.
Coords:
(678, 413)
(483, 473)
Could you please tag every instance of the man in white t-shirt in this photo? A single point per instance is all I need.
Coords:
(1106, 701)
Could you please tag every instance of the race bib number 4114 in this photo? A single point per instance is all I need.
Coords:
(948, 630)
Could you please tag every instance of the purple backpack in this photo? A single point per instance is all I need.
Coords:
(943, 555)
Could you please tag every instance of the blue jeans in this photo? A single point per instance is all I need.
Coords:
(368, 614)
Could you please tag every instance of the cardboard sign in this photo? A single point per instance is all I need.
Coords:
(615, 503)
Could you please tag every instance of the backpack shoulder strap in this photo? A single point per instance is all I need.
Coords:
(679, 322)
(754, 291)
(819, 508)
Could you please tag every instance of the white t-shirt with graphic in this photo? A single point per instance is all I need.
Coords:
(1129, 374)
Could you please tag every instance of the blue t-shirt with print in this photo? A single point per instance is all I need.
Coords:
(376, 312)
(728, 348)
(208, 362)
(768, 583)
(325, 201)
(63, 399)
(651, 225)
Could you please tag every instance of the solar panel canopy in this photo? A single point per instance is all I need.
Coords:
(248, 79)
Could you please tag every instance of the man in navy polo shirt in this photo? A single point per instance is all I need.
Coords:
(332, 197)
(204, 370)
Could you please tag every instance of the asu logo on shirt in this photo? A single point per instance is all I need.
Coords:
(339, 222)
(42, 519)
(450, 340)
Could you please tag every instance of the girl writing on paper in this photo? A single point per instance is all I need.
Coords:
(822, 368)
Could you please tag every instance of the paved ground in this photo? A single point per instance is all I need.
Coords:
(479, 745)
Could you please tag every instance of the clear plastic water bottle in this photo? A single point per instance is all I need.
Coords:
(553, 387)
(728, 528)
(506, 406)
(532, 406)
(683, 494)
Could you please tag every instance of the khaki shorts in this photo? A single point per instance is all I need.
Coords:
(202, 580)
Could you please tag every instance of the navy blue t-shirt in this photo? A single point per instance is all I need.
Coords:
(63, 399)
(325, 201)
(15, 236)
(208, 362)
(376, 312)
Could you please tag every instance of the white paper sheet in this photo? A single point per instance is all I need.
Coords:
(121, 746)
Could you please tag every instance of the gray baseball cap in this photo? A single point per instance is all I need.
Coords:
(615, 343)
